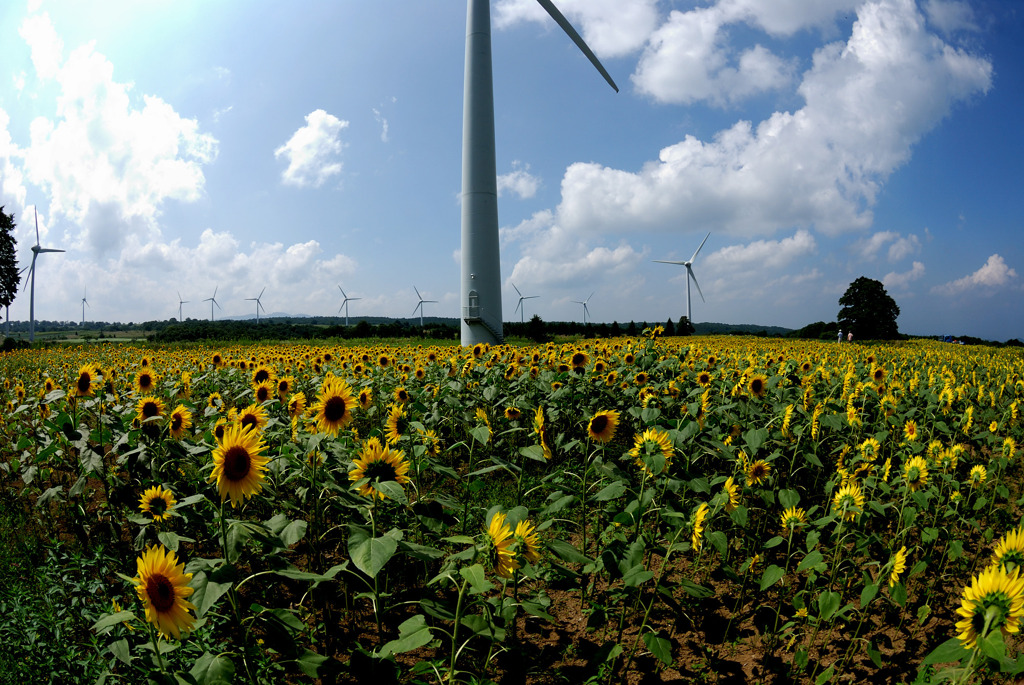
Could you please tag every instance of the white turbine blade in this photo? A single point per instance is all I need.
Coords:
(434, 301)
(567, 27)
(261, 292)
(418, 293)
(353, 299)
(518, 306)
(701, 245)
(517, 290)
(689, 272)
(588, 299)
(31, 271)
(214, 298)
(664, 261)
(49, 249)
(35, 209)
(531, 297)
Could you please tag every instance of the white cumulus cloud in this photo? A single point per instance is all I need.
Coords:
(519, 181)
(611, 28)
(902, 280)
(312, 151)
(993, 274)
(762, 254)
(868, 100)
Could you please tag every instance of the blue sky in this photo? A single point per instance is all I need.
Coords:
(187, 146)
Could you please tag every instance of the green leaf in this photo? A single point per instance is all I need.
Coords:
(636, 576)
(293, 532)
(481, 434)
(922, 613)
(660, 647)
(874, 654)
(825, 676)
(211, 669)
(952, 650)
(310, 662)
(812, 559)
(412, 634)
(813, 459)
(772, 575)
(478, 582)
(207, 592)
(611, 491)
(538, 610)
(391, 490)
(774, 542)
(370, 554)
(828, 604)
(718, 541)
(566, 552)
(535, 452)
(754, 438)
(121, 651)
(172, 540)
(898, 592)
(868, 594)
(788, 498)
(113, 619)
(483, 627)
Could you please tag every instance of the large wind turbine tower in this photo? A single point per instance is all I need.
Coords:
(481, 259)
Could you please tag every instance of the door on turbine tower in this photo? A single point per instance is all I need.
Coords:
(473, 310)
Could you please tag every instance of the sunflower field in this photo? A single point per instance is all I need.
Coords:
(633, 510)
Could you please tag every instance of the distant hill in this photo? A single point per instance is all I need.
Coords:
(711, 328)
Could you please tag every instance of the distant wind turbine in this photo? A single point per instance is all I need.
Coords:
(85, 292)
(213, 301)
(181, 302)
(36, 251)
(344, 303)
(420, 305)
(481, 260)
(259, 305)
(689, 276)
(519, 307)
(586, 310)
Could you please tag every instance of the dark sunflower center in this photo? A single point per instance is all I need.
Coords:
(84, 382)
(160, 590)
(250, 421)
(403, 395)
(236, 463)
(579, 360)
(599, 424)
(176, 422)
(218, 432)
(379, 471)
(262, 393)
(704, 378)
(756, 386)
(158, 505)
(261, 375)
(150, 409)
(282, 387)
(145, 381)
(335, 409)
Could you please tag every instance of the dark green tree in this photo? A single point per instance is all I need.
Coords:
(670, 328)
(9, 277)
(535, 329)
(868, 311)
(685, 327)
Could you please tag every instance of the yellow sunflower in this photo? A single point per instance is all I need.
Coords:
(757, 385)
(602, 425)
(698, 525)
(792, 518)
(86, 377)
(513, 413)
(378, 463)
(1009, 551)
(977, 475)
(649, 443)
(848, 501)
(732, 491)
(238, 464)
(500, 553)
(334, 405)
(915, 471)
(214, 401)
(264, 391)
(541, 430)
(910, 430)
(757, 472)
(397, 424)
(284, 387)
(254, 416)
(296, 405)
(145, 381)
(995, 598)
(899, 565)
(180, 421)
(162, 586)
(148, 408)
(263, 373)
(365, 398)
(157, 502)
(528, 541)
